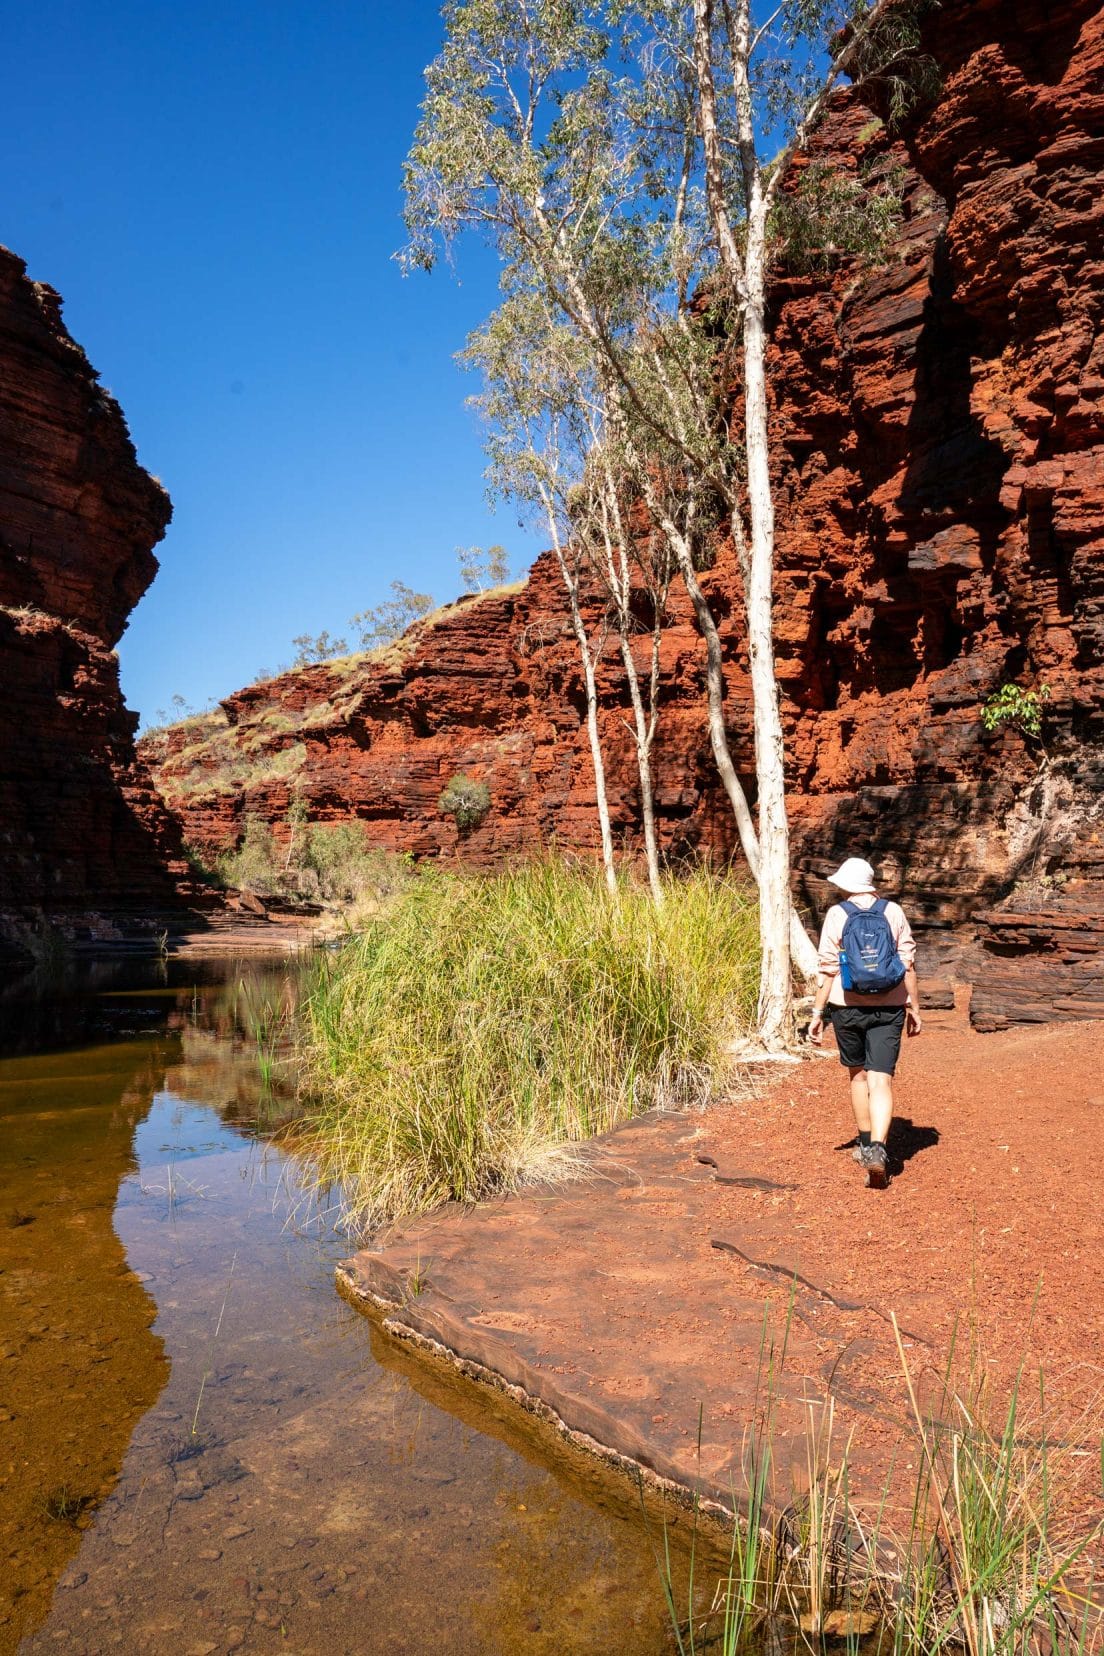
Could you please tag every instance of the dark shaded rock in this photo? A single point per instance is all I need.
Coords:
(82, 829)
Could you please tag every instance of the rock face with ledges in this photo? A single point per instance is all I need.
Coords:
(82, 828)
(938, 440)
(945, 532)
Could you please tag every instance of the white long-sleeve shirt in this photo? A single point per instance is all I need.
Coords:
(831, 941)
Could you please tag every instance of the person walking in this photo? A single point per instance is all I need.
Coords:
(867, 983)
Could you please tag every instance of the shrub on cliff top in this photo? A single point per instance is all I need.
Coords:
(483, 1022)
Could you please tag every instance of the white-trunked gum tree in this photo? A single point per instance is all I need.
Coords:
(611, 153)
(539, 440)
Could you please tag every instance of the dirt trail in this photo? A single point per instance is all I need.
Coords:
(616, 1306)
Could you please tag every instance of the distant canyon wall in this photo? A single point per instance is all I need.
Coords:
(938, 439)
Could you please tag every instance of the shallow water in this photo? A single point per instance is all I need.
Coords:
(204, 1449)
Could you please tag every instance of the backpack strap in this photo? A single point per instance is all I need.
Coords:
(879, 906)
(849, 908)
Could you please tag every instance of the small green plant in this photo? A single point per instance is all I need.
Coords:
(988, 1564)
(748, 1592)
(418, 1280)
(1022, 709)
(298, 816)
(200, 866)
(466, 801)
(194, 1435)
(255, 864)
(64, 1504)
(263, 1017)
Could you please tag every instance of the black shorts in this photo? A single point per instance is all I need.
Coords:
(869, 1037)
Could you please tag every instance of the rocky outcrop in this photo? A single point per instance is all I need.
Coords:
(489, 686)
(939, 461)
(82, 829)
(954, 539)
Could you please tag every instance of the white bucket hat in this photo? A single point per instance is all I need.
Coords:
(854, 876)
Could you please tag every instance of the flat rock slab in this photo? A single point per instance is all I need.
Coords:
(668, 1282)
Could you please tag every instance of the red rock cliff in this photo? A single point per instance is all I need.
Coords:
(939, 455)
(942, 449)
(81, 826)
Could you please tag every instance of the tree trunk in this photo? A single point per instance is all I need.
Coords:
(578, 627)
(800, 945)
(747, 273)
(775, 905)
(619, 577)
(642, 737)
(590, 681)
(601, 800)
(714, 684)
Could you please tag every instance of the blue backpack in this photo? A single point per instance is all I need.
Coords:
(869, 962)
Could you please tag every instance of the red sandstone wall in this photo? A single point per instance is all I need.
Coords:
(946, 523)
(81, 826)
(939, 456)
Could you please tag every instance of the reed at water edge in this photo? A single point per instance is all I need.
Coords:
(998, 1554)
(483, 1023)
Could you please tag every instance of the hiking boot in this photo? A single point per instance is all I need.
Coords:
(873, 1158)
(858, 1152)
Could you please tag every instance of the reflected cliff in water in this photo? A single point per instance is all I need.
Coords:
(79, 1362)
(84, 1052)
(201, 1445)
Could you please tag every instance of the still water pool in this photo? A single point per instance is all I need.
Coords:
(202, 1448)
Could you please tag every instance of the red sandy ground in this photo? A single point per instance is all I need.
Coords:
(609, 1301)
(996, 1225)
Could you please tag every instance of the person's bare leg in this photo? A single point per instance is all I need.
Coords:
(879, 1088)
(860, 1099)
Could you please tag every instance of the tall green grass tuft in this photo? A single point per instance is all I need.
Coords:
(481, 1023)
(995, 1558)
(990, 1567)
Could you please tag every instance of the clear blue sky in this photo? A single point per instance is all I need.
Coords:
(214, 188)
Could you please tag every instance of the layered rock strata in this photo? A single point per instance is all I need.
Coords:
(939, 461)
(954, 540)
(82, 829)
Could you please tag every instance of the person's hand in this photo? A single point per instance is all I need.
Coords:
(913, 1024)
(815, 1031)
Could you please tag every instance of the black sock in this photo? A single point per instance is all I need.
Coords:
(880, 1143)
(864, 1140)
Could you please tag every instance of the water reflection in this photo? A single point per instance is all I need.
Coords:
(278, 1487)
(79, 1363)
(47, 1008)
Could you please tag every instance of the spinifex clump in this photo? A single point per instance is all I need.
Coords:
(482, 1022)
